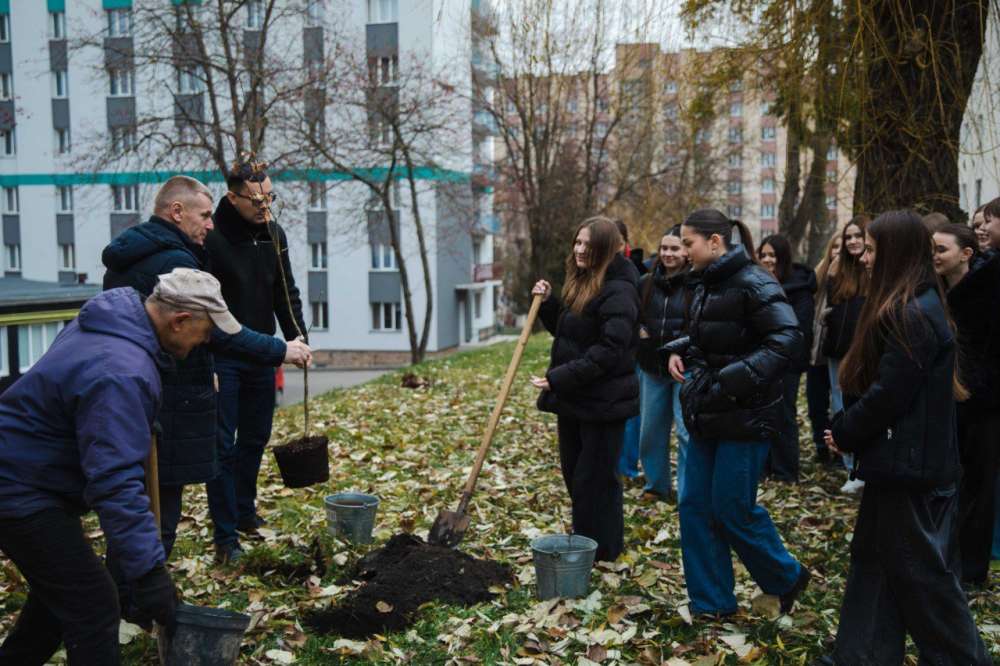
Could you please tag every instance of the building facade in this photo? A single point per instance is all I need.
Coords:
(59, 99)
(979, 157)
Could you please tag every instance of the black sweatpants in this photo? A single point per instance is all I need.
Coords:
(818, 400)
(979, 447)
(783, 458)
(904, 580)
(588, 453)
(71, 597)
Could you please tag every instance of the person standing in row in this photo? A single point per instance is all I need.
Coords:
(901, 426)
(591, 383)
(818, 375)
(248, 253)
(742, 338)
(799, 285)
(845, 296)
(628, 461)
(663, 300)
(973, 284)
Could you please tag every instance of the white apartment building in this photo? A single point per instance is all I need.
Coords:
(55, 99)
(979, 157)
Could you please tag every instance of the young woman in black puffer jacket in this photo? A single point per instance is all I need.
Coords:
(742, 338)
(901, 427)
(664, 298)
(591, 383)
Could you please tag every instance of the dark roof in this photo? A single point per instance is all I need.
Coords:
(16, 291)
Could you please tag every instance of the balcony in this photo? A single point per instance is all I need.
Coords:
(485, 272)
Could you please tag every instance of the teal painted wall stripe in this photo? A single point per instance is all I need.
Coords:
(4, 6)
(57, 5)
(118, 4)
(213, 176)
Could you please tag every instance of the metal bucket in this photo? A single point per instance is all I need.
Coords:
(562, 565)
(351, 516)
(204, 637)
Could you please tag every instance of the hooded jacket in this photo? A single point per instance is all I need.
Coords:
(592, 367)
(975, 307)
(800, 289)
(187, 444)
(742, 338)
(662, 316)
(903, 429)
(243, 258)
(76, 428)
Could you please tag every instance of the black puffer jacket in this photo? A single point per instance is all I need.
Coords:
(662, 316)
(800, 288)
(592, 367)
(903, 427)
(840, 323)
(742, 337)
(975, 306)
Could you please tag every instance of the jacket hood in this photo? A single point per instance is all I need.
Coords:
(982, 276)
(622, 269)
(231, 224)
(726, 266)
(136, 243)
(799, 278)
(119, 312)
(664, 281)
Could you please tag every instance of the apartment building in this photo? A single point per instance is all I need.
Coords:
(57, 99)
(979, 157)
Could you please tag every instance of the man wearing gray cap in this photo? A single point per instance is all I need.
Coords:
(75, 431)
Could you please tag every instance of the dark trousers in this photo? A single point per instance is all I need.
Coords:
(979, 447)
(170, 515)
(71, 597)
(904, 580)
(783, 461)
(818, 401)
(588, 453)
(246, 408)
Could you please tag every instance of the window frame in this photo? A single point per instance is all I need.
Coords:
(6, 85)
(63, 253)
(129, 196)
(116, 77)
(115, 22)
(60, 84)
(321, 322)
(7, 197)
(4, 28)
(30, 339)
(57, 25)
(64, 193)
(318, 256)
(386, 317)
(64, 141)
(8, 142)
(12, 251)
(375, 11)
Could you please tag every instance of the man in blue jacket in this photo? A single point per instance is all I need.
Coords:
(174, 237)
(74, 433)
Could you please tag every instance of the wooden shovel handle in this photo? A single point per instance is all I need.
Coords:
(153, 482)
(508, 381)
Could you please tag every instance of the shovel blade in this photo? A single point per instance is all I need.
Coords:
(448, 529)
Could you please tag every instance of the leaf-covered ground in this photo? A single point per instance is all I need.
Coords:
(413, 448)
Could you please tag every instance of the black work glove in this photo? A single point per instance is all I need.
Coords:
(149, 598)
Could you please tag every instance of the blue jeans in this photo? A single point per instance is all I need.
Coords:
(660, 408)
(837, 402)
(719, 511)
(628, 461)
(246, 408)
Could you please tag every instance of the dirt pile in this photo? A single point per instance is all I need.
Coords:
(402, 576)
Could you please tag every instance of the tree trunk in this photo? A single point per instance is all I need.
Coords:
(919, 60)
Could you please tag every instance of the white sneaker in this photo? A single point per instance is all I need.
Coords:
(852, 487)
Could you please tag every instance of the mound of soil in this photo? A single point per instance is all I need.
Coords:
(402, 576)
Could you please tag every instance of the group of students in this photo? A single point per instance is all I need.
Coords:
(896, 333)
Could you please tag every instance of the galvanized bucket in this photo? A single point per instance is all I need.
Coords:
(351, 516)
(562, 565)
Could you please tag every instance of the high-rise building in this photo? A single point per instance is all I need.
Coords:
(979, 159)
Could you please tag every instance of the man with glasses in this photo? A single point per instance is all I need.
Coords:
(248, 253)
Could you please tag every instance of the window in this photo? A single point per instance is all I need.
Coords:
(734, 187)
(4, 28)
(119, 22)
(6, 85)
(831, 176)
(255, 14)
(477, 252)
(60, 84)
(122, 82)
(318, 253)
(735, 160)
(670, 111)
(736, 86)
(62, 141)
(33, 340)
(123, 139)
(388, 70)
(767, 133)
(11, 200)
(383, 258)
(831, 201)
(67, 257)
(734, 212)
(736, 109)
(12, 257)
(4, 366)
(314, 12)
(767, 159)
(767, 211)
(8, 143)
(831, 152)
(765, 108)
(703, 136)
(190, 81)
(383, 11)
(572, 105)
(387, 317)
(602, 104)
(477, 305)
(979, 192)
(65, 195)
(670, 87)
(320, 316)
(600, 129)
(317, 196)
(57, 25)
(125, 197)
(767, 186)
(735, 135)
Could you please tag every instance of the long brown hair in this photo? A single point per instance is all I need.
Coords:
(903, 265)
(823, 267)
(851, 279)
(583, 284)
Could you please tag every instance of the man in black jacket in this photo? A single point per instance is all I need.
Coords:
(249, 256)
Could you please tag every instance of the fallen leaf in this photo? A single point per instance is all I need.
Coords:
(383, 607)
(767, 605)
(280, 656)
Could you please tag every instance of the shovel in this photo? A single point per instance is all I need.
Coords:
(450, 526)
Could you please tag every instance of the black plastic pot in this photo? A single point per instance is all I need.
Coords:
(204, 637)
(303, 462)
